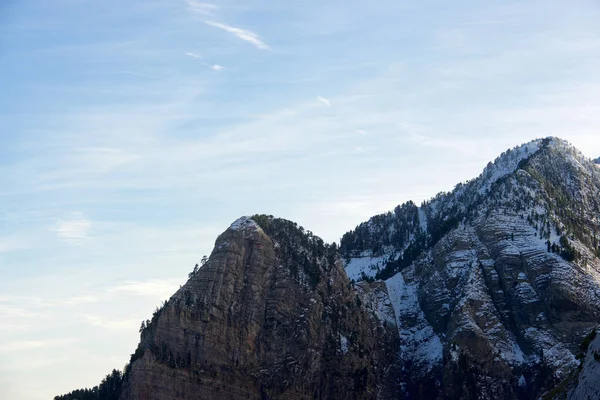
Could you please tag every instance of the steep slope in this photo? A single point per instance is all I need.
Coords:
(272, 314)
(496, 283)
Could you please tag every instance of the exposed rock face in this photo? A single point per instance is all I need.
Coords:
(495, 284)
(266, 317)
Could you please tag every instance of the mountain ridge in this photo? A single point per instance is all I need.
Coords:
(483, 291)
(508, 163)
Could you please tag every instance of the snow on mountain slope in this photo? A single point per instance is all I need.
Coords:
(366, 266)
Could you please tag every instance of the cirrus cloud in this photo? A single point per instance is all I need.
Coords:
(243, 34)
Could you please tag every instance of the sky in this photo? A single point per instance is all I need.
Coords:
(133, 132)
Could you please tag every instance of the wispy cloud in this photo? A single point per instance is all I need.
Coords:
(23, 345)
(74, 229)
(193, 55)
(10, 244)
(102, 159)
(198, 8)
(324, 101)
(155, 288)
(243, 34)
(217, 67)
(125, 324)
(462, 146)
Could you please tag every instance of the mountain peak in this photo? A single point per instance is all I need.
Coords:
(509, 161)
(597, 160)
(513, 159)
(271, 315)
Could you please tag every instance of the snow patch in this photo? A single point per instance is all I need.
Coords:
(422, 219)
(343, 344)
(369, 265)
(244, 223)
(420, 344)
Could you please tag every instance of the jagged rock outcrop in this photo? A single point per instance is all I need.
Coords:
(495, 284)
(271, 314)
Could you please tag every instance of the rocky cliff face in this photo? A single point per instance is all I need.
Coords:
(272, 314)
(495, 284)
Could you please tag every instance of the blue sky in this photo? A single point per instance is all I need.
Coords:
(133, 133)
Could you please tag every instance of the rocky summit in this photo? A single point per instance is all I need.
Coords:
(272, 314)
(490, 291)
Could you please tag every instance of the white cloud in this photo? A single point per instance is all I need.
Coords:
(193, 55)
(217, 67)
(74, 229)
(243, 34)
(324, 101)
(198, 8)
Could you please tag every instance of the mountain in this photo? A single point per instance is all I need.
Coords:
(485, 292)
(597, 160)
(496, 283)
